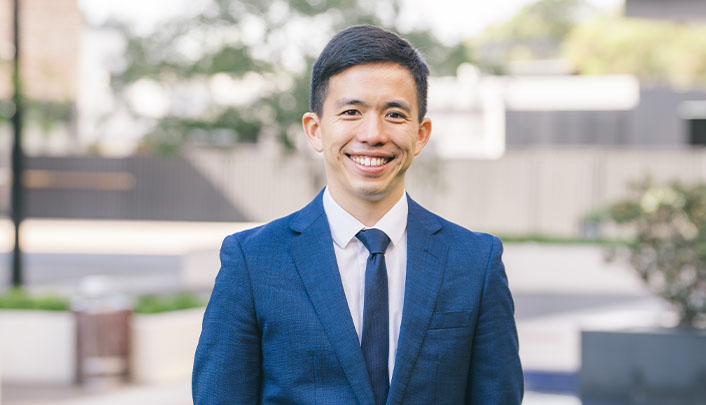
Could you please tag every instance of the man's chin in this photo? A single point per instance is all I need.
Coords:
(373, 192)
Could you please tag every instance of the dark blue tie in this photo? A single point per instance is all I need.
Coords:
(375, 339)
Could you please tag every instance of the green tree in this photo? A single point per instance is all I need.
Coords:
(535, 32)
(654, 51)
(240, 44)
(669, 246)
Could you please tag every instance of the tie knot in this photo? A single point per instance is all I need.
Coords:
(375, 240)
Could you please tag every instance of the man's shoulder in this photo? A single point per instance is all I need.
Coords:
(453, 232)
(270, 233)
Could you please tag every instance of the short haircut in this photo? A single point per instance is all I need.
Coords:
(363, 44)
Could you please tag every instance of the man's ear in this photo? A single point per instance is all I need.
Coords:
(312, 130)
(422, 135)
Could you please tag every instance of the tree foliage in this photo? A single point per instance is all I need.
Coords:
(654, 51)
(535, 32)
(255, 53)
(45, 114)
(669, 249)
(545, 19)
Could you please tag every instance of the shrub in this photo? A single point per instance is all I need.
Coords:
(668, 223)
(18, 298)
(151, 304)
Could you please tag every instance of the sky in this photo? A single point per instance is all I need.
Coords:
(450, 20)
(453, 20)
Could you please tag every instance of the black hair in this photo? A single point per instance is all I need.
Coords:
(362, 44)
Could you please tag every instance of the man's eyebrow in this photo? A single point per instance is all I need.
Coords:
(399, 104)
(403, 105)
(349, 101)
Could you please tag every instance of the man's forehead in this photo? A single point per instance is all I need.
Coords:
(367, 70)
(375, 65)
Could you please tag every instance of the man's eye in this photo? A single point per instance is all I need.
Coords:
(395, 115)
(350, 112)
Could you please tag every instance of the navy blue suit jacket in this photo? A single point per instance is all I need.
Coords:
(278, 329)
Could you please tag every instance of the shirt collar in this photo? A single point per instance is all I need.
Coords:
(344, 226)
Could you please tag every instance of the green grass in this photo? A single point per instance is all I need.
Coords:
(558, 240)
(18, 298)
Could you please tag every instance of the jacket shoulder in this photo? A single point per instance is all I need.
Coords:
(456, 234)
(269, 235)
(463, 233)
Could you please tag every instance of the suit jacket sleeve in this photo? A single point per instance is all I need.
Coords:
(495, 374)
(228, 361)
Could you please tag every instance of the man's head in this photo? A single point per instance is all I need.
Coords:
(364, 44)
(368, 122)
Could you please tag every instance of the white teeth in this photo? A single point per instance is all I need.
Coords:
(368, 161)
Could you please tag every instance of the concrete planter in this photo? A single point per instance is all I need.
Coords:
(164, 345)
(646, 366)
(37, 346)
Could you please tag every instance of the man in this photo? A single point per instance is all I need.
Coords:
(363, 296)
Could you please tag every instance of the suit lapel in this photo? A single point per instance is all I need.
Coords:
(315, 261)
(426, 257)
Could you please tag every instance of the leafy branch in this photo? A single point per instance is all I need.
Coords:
(669, 247)
(240, 42)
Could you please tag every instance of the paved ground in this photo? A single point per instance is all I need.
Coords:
(559, 290)
(179, 394)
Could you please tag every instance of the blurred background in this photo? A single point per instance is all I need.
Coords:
(134, 136)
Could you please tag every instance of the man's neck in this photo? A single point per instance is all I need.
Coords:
(368, 212)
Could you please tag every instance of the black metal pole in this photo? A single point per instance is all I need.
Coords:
(17, 157)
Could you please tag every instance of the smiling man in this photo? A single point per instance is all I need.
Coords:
(363, 296)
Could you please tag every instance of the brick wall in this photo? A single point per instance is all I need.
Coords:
(49, 33)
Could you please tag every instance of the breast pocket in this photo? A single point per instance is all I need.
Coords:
(451, 320)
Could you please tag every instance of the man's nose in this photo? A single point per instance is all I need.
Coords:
(373, 131)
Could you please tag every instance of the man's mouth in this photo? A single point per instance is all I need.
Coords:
(370, 161)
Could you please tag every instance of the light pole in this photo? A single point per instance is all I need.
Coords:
(17, 156)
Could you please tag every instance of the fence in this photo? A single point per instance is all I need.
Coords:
(136, 187)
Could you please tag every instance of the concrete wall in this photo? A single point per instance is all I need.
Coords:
(547, 191)
(527, 191)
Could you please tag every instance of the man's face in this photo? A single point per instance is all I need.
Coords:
(369, 132)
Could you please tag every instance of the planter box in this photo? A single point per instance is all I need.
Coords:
(40, 346)
(648, 365)
(164, 345)
(37, 346)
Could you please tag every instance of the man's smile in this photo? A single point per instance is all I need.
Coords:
(370, 161)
